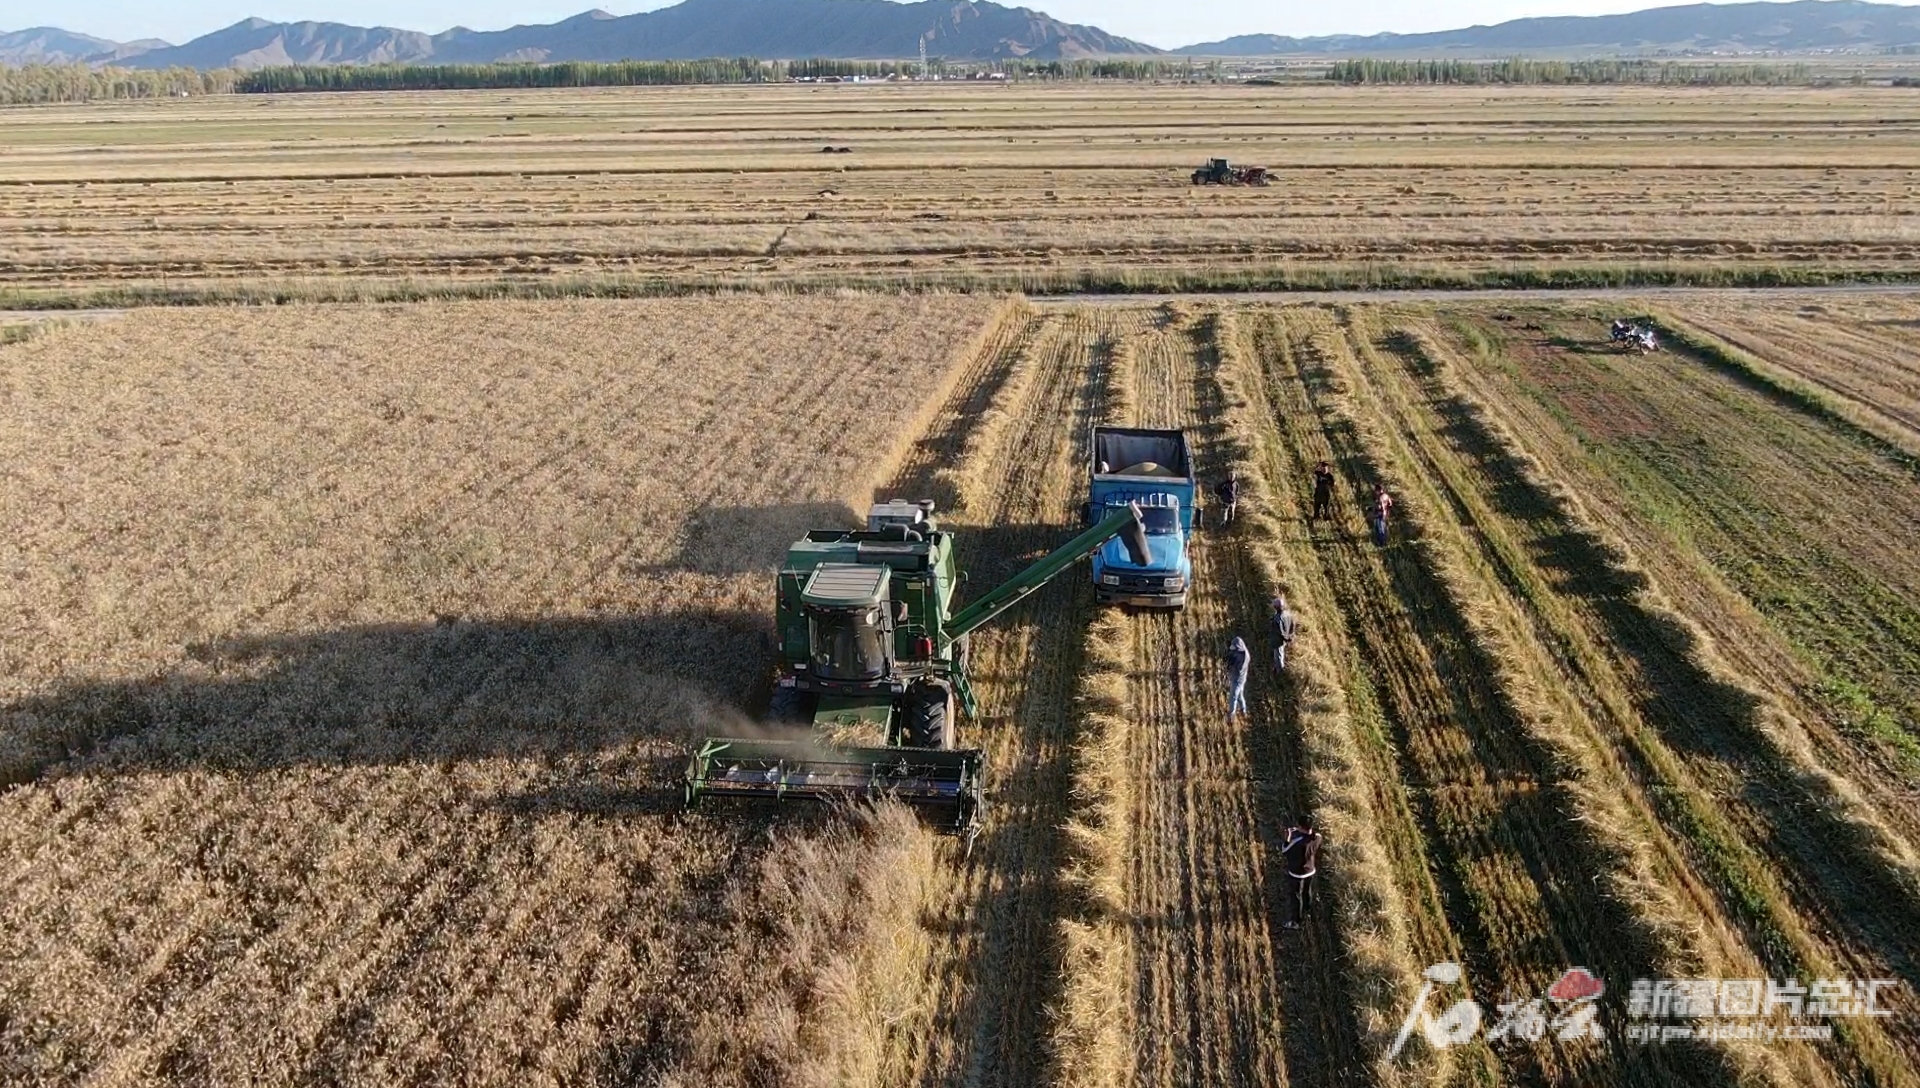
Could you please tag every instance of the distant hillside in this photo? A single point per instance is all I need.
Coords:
(256, 43)
(1805, 26)
(48, 45)
(771, 29)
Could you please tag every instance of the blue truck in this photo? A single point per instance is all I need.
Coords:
(1151, 469)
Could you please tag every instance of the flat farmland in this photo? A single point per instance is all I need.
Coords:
(1864, 354)
(350, 658)
(1029, 185)
(352, 651)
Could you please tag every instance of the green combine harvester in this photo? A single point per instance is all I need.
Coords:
(870, 642)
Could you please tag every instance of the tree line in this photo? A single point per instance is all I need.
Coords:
(39, 83)
(1519, 70)
(36, 83)
(510, 76)
(636, 73)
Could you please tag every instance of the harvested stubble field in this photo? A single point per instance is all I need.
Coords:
(347, 675)
(1029, 184)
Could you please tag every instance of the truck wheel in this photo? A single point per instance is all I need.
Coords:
(930, 718)
(789, 705)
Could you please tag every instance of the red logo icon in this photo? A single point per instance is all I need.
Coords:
(1576, 985)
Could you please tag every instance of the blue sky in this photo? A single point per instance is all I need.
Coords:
(1159, 22)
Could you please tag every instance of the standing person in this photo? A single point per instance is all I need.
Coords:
(1239, 659)
(1382, 506)
(1301, 856)
(1284, 625)
(1228, 491)
(1322, 492)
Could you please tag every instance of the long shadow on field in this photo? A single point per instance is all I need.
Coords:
(407, 693)
(438, 692)
(1703, 718)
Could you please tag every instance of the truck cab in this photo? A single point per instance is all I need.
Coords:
(1152, 470)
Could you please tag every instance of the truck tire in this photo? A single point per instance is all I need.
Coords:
(789, 705)
(930, 718)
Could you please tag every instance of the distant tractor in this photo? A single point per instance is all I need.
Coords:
(870, 641)
(1220, 172)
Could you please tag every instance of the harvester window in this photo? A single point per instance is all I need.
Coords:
(848, 645)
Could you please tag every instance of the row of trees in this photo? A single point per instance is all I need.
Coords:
(42, 83)
(1522, 71)
(457, 77)
(80, 83)
(635, 73)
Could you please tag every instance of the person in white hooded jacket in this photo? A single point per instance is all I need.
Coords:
(1239, 661)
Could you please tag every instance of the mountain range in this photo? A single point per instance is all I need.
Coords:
(48, 45)
(773, 29)
(962, 30)
(1804, 26)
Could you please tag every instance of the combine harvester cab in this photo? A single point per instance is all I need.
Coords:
(873, 658)
(1149, 469)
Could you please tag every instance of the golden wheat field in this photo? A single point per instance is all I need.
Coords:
(348, 653)
(351, 652)
(1030, 184)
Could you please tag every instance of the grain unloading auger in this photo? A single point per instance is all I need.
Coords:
(870, 641)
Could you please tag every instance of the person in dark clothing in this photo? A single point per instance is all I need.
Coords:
(1238, 661)
(1284, 625)
(1301, 857)
(1322, 492)
(1228, 492)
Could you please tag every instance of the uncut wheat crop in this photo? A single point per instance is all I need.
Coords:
(346, 654)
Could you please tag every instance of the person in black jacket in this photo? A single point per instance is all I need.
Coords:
(1301, 858)
(1322, 492)
(1228, 492)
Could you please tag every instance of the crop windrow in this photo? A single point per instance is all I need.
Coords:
(1093, 1023)
(1510, 812)
(1791, 745)
(840, 906)
(1625, 781)
(1762, 886)
(1899, 446)
(961, 483)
